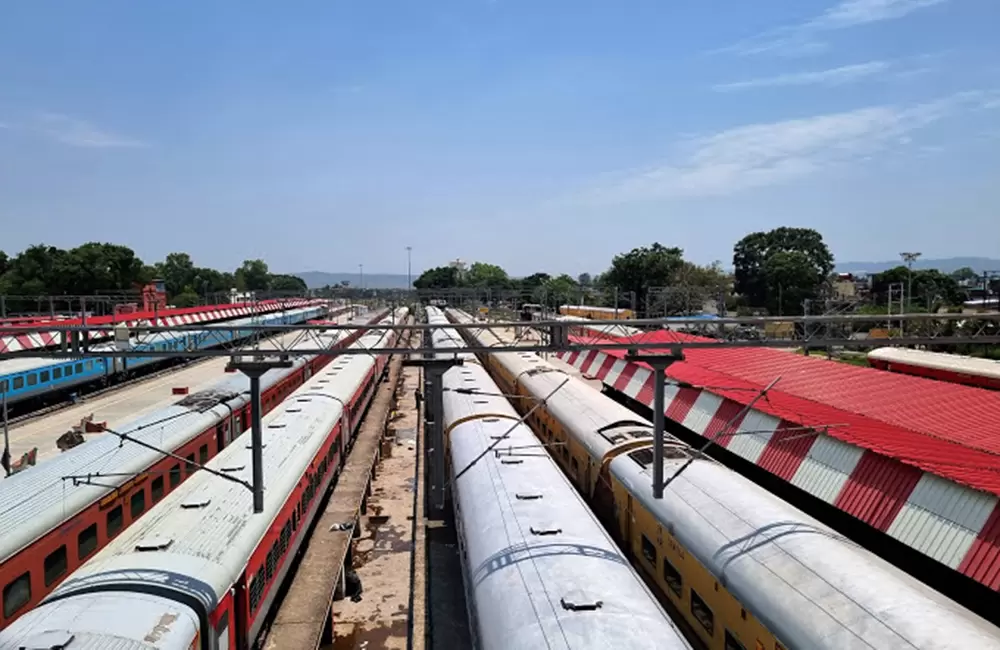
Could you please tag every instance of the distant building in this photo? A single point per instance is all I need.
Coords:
(845, 286)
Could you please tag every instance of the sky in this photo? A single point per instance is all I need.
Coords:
(541, 135)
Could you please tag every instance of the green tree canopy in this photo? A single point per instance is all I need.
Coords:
(931, 288)
(642, 268)
(964, 274)
(804, 260)
(441, 277)
(102, 268)
(288, 283)
(482, 274)
(560, 290)
(253, 275)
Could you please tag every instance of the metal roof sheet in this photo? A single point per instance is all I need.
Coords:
(949, 430)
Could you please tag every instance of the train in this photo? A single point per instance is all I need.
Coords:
(200, 570)
(31, 379)
(954, 368)
(597, 313)
(742, 568)
(539, 569)
(60, 513)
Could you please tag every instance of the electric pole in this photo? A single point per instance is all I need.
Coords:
(409, 276)
(909, 258)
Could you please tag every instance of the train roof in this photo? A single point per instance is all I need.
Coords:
(37, 500)
(809, 585)
(956, 363)
(105, 621)
(531, 560)
(198, 538)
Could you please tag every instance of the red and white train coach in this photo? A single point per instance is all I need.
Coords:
(954, 368)
(57, 515)
(200, 569)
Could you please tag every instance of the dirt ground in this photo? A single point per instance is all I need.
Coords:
(383, 554)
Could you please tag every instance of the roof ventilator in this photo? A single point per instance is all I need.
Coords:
(196, 503)
(49, 640)
(529, 496)
(511, 461)
(234, 468)
(545, 529)
(580, 601)
(154, 544)
(276, 425)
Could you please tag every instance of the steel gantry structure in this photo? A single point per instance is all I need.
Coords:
(812, 332)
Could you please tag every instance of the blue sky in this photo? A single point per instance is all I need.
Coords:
(536, 134)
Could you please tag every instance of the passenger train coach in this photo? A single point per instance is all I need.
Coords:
(744, 569)
(540, 571)
(200, 570)
(27, 379)
(596, 313)
(55, 516)
(953, 368)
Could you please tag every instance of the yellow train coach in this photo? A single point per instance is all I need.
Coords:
(596, 313)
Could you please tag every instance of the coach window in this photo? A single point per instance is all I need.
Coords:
(203, 454)
(43, 376)
(702, 612)
(86, 541)
(672, 577)
(57, 373)
(55, 565)
(115, 521)
(175, 476)
(156, 489)
(4, 386)
(32, 379)
(68, 371)
(648, 550)
(732, 643)
(18, 382)
(79, 368)
(90, 365)
(16, 594)
(138, 503)
(191, 468)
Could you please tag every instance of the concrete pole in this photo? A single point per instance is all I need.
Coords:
(257, 444)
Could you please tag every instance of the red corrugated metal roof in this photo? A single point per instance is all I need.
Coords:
(950, 430)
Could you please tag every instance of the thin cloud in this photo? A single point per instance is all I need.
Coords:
(800, 40)
(830, 77)
(76, 132)
(765, 154)
(860, 12)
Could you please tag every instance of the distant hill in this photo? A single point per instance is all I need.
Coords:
(947, 265)
(318, 279)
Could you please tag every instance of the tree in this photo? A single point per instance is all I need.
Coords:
(253, 275)
(482, 274)
(584, 280)
(964, 274)
(790, 278)
(4, 262)
(560, 290)
(931, 288)
(641, 268)
(177, 271)
(760, 285)
(441, 277)
(288, 283)
(186, 298)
